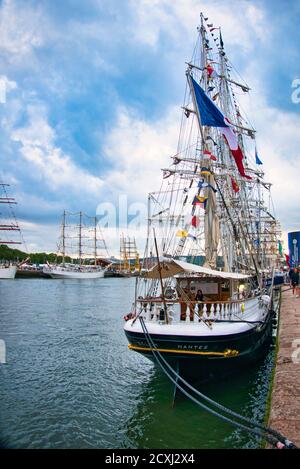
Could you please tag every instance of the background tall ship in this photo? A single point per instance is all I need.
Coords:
(79, 242)
(129, 257)
(213, 204)
(9, 228)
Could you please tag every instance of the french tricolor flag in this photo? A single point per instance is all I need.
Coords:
(212, 117)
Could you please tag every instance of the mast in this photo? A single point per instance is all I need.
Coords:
(8, 226)
(206, 206)
(95, 241)
(63, 237)
(211, 219)
(80, 238)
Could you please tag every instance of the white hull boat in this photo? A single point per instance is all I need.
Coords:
(8, 272)
(60, 272)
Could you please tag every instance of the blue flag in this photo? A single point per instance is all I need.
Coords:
(209, 113)
(203, 184)
(257, 160)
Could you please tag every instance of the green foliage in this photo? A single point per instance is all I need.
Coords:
(9, 254)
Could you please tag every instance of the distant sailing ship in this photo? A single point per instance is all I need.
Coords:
(78, 270)
(8, 223)
(129, 256)
(212, 203)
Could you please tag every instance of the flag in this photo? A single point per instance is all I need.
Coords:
(211, 72)
(221, 40)
(205, 170)
(195, 221)
(209, 113)
(234, 185)
(203, 184)
(287, 260)
(192, 236)
(280, 248)
(208, 153)
(199, 200)
(196, 201)
(257, 160)
(182, 234)
(211, 116)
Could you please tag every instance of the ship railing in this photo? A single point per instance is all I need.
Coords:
(152, 309)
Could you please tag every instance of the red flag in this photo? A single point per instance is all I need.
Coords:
(235, 149)
(287, 260)
(238, 157)
(211, 72)
(212, 157)
(234, 184)
(195, 221)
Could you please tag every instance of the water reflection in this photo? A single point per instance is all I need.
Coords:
(157, 424)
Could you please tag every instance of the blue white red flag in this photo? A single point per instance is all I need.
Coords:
(211, 116)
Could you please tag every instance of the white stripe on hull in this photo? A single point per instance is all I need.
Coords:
(8, 272)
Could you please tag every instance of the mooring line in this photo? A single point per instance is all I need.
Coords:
(282, 442)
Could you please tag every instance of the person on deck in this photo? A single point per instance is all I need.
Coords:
(199, 297)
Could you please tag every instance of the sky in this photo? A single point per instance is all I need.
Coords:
(90, 96)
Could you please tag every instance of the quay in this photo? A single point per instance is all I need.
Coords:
(285, 400)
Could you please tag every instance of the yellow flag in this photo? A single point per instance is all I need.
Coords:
(182, 233)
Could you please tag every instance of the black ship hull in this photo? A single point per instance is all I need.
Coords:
(204, 357)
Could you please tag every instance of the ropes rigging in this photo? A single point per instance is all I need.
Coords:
(271, 436)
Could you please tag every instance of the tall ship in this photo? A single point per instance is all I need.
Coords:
(9, 227)
(80, 242)
(129, 256)
(212, 237)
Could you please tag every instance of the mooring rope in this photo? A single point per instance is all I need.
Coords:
(263, 432)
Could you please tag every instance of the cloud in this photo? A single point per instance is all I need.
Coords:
(278, 143)
(6, 86)
(138, 149)
(20, 29)
(39, 237)
(178, 18)
(91, 86)
(47, 161)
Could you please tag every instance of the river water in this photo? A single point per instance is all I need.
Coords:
(69, 380)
